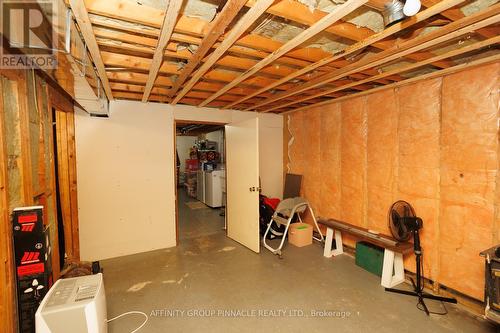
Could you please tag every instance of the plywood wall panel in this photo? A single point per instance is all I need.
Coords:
(469, 160)
(330, 161)
(353, 161)
(382, 149)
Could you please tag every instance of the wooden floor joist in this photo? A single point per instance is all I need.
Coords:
(169, 21)
(318, 27)
(400, 50)
(243, 24)
(260, 69)
(82, 17)
(453, 53)
(361, 45)
(438, 73)
(300, 13)
(221, 22)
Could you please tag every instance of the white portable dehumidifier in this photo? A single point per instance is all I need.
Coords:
(76, 305)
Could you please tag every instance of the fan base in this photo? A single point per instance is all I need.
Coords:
(421, 296)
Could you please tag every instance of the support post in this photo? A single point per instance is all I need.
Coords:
(393, 263)
(339, 248)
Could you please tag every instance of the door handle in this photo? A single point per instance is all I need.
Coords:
(252, 189)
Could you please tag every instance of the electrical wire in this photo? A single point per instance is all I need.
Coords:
(290, 142)
(35, 95)
(419, 304)
(132, 312)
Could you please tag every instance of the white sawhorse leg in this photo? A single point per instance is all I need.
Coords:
(392, 261)
(339, 249)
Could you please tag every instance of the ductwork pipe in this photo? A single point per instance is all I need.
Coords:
(393, 12)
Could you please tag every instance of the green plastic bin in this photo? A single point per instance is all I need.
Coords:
(370, 257)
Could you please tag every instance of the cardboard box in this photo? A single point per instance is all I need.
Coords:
(300, 234)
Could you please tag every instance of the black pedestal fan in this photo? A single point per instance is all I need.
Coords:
(403, 224)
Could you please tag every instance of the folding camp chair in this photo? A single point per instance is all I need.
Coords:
(284, 214)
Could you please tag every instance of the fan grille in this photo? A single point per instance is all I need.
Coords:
(398, 210)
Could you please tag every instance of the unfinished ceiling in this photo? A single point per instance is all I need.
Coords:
(277, 56)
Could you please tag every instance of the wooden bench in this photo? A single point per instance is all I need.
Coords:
(393, 269)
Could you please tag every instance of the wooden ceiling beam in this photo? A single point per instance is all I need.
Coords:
(82, 18)
(217, 28)
(453, 53)
(243, 24)
(137, 63)
(423, 15)
(298, 12)
(125, 37)
(137, 78)
(433, 38)
(170, 18)
(318, 27)
(438, 73)
(194, 28)
(129, 11)
(456, 14)
(151, 37)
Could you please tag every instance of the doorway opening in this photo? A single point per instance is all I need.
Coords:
(200, 179)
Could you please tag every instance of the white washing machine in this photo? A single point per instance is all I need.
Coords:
(200, 186)
(213, 187)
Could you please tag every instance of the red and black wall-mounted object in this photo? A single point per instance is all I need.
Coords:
(29, 240)
(27, 221)
(32, 253)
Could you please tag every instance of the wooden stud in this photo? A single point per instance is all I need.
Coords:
(63, 169)
(72, 183)
(170, 18)
(7, 276)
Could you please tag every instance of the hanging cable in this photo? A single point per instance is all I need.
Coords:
(290, 142)
(129, 313)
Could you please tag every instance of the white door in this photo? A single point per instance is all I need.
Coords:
(242, 161)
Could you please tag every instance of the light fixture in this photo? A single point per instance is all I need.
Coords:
(411, 7)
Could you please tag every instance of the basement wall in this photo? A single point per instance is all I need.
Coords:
(125, 168)
(433, 143)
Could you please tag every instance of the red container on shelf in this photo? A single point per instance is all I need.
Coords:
(191, 164)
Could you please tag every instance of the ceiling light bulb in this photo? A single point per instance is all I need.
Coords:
(411, 7)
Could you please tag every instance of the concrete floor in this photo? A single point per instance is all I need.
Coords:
(188, 288)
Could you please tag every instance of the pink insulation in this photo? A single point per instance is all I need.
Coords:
(418, 164)
(433, 143)
(330, 161)
(353, 161)
(469, 163)
(382, 148)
